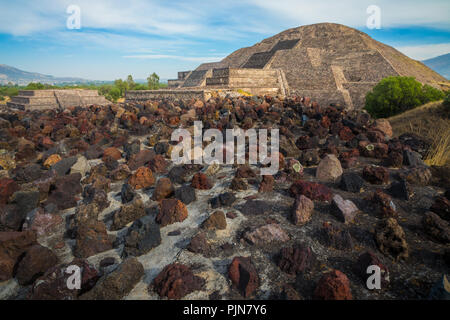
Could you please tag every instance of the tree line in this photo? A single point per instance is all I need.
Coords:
(112, 91)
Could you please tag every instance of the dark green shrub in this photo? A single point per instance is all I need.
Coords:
(447, 101)
(431, 94)
(394, 95)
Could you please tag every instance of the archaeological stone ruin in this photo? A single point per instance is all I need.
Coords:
(56, 99)
(328, 62)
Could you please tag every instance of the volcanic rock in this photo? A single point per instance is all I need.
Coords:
(266, 184)
(215, 221)
(163, 189)
(351, 182)
(376, 175)
(420, 176)
(436, 227)
(36, 261)
(185, 194)
(42, 223)
(7, 188)
(244, 171)
(199, 244)
(53, 284)
(332, 235)
(127, 213)
(201, 181)
(312, 190)
(127, 193)
(142, 178)
(142, 236)
(238, 184)
(441, 206)
(81, 166)
(91, 239)
(158, 164)
(244, 276)
(391, 240)
(171, 211)
(140, 159)
(266, 234)
(345, 209)
(12, 245)
(177, 280)
(117, 284)
(223, 200)
(333, 285)
(329, 169)
(296, 259)
(302, 210)
(384, 204)
(255, 207)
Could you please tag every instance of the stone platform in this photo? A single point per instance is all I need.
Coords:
(202, 84)
(55, 99)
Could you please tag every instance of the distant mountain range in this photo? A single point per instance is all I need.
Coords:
(440, 64)
(20, 77)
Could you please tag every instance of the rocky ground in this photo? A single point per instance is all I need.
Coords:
(95, 187)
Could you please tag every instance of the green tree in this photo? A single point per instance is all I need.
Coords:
(153, 81)
(394, 95)
(114, 94)
(131, 83)
(121, 85)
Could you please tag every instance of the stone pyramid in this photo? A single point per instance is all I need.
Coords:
(328, 62)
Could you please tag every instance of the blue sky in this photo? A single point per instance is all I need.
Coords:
(139, 37)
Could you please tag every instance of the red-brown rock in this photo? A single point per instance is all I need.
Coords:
(201, 181)
(312, 190)
(36, 261)
(142, 178)
(164, 189)
(266, 184)
(333, 285)
(177, 280)
(243, 275)
(171, 211)
(7, 188)
(12, 245)
(376, 175)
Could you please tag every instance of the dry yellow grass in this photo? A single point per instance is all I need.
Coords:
(5, 100)
(431, 122)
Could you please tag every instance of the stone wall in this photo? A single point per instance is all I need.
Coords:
(143, 95)
(55, 99)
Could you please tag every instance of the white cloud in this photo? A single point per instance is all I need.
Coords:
(214, 19)
(353, 13)
(174, 57)
(423, 52)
